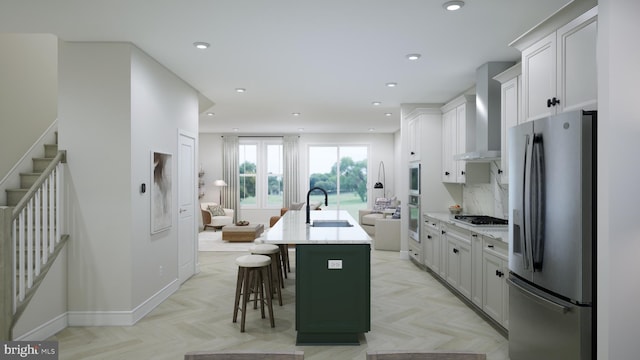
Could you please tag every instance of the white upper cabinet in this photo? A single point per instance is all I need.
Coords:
(559, 70)
(510, 102)
(414, 138)
(458, 119)
(449, 167)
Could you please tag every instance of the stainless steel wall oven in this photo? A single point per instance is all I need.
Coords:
(414, 217)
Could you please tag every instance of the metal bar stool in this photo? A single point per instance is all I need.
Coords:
(254, 277)
(273, 251)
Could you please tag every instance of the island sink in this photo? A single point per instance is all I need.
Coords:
(331, 223)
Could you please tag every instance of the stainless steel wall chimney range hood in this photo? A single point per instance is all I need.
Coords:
(487, 122)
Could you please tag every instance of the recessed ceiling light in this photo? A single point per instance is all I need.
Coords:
(453, 5)
(388, 114)
(300, 129)
(240, 90)
(210, 114)
(201, 45)
(391, 84)
(295, 114)
(372, 129)
(376, 103)
(413, 56)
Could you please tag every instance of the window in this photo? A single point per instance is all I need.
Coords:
(261, 168)
(342, 172)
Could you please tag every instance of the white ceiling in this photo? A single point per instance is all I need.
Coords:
(326, 59)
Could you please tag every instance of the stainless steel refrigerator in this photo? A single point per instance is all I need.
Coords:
(552, 238)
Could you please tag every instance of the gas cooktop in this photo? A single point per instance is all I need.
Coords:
(483, 220)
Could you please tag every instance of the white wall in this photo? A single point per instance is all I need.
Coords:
(95, 129)
(618, 179)
(117, 105)
(161, 104)
(28, 99)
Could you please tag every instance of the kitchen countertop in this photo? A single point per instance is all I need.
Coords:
(292, 229)
(498, 233)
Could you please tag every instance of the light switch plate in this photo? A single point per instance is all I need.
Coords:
(335, 264)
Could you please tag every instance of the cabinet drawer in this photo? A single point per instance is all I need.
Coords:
(496, 247)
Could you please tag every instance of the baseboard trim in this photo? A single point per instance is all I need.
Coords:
(46, 330)
(122, 318)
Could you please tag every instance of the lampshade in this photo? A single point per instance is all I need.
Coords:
(219, 183)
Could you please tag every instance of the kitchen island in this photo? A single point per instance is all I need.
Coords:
(333, 275)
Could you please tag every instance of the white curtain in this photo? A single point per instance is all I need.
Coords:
(230, 168)
(291, 176)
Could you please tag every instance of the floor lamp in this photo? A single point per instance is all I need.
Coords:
(220, 184)
(380, 185)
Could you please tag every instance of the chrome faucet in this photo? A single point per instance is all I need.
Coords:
(326, 201)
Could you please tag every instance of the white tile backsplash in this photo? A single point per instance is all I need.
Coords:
(487, 199)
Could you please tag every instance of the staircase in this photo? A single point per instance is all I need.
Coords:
(28, 179)
(30, 235)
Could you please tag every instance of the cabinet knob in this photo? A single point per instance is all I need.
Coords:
(446, 173)
(553, 102)
(455, 251)
(413, 153)
(490, 246)
(443, 231)
(474, 235)
(428, 236)
(500, 171)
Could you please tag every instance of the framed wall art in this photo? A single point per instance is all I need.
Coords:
(161, 184)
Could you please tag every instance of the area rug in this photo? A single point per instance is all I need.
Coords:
(212, 241)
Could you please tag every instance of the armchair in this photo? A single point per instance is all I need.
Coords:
(215, 221)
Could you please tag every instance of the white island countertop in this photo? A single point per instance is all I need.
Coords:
(292, 229)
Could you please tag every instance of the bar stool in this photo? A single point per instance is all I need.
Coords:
(273, 251)
(254, 277)
(284, 256)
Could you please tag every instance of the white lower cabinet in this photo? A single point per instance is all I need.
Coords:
(458, 259)
(495, 302)
(415, 251)
(431, 243)
(476, 265)
(473, 264)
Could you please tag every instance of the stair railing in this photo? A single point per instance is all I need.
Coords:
(30, 241)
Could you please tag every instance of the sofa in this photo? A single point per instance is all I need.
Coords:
(381, 208)
(384, 229)
(367, 220)
(215, 221)
(387, 235)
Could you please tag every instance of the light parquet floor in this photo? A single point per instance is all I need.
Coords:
(409, 310)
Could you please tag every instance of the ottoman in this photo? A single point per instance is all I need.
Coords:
(234, 233)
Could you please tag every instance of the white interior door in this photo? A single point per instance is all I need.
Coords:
(187, 238)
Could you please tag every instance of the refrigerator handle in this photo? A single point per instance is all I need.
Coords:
(553, 305)
(537, 198)
(526, 203)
